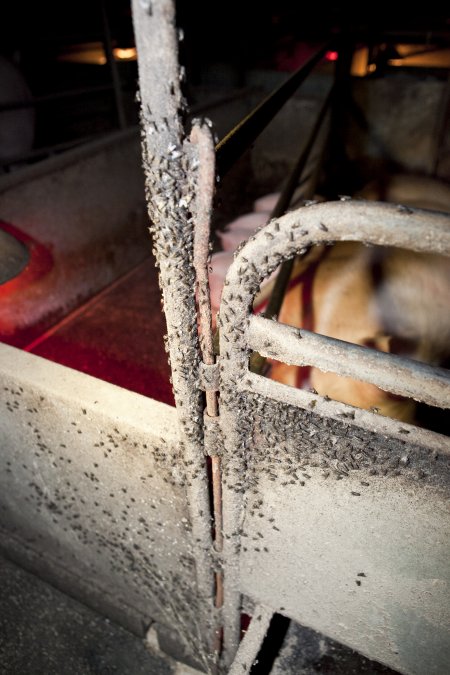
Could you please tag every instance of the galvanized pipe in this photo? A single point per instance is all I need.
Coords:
(201, 137)
(389, 372)
(170, 162)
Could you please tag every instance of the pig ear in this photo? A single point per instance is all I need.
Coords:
(381, 342)
(405, 346)
(393, 344)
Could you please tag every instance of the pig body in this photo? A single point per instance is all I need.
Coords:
(379, 297)
(384, 298)
(234, 234)
(241, 229)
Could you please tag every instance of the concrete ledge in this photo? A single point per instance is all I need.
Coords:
(92, 490)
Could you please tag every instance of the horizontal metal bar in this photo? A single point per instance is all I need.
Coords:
(233, 145)
(251, 643)
(365, 419)
(389, 372)
(426, 36)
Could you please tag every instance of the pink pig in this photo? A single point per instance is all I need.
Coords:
(235, 232)
(241, 229)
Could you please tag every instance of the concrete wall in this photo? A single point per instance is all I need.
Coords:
(92, 495)
(87, 209)
(397, 122)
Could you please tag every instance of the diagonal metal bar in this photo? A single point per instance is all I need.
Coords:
(281, 282)
(234, 144)
(251, 643)
(282, 205)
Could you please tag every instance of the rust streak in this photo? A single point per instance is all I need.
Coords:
(201, 137)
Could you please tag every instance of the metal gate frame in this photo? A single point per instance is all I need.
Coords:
(179, 173)
(241, 332)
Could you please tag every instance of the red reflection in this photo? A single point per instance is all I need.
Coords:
(95, 359)
(39, 264)
(116, 335)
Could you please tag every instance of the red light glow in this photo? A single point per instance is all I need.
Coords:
(39, 264)
(332, 56)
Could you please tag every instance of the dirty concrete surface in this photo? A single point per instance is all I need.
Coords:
(44, 631)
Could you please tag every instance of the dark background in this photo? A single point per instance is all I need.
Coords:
(75, 101)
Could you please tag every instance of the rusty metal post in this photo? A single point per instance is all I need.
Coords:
(201, 137)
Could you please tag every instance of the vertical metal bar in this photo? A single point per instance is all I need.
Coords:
(201, 137)
(170, 166)
(338, 162)
(107, 45)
